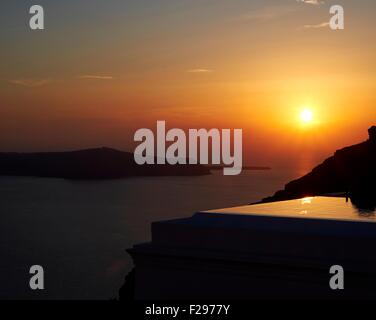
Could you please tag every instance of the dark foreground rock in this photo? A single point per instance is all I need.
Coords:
(350, 170)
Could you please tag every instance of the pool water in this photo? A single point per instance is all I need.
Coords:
(334, 208)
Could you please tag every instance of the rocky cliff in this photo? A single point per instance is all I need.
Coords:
(350, 170)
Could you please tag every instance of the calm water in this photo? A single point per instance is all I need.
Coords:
(78, 231)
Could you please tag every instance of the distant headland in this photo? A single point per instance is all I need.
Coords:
(95, 164)
(90, 164)
(244, 168)
(351, 171)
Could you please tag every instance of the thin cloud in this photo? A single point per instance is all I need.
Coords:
(30, 83)
(313, 2)
(202, 70)
(267, 13)
(95, 77)
(316, 26)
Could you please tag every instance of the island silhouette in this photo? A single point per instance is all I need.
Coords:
(89, 164)
(96, 164)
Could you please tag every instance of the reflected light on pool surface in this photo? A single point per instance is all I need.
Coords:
(311, 207)
(306, 200)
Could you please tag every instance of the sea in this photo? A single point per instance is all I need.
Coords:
(78, 231)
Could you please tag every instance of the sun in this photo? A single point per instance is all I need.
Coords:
(306, 115)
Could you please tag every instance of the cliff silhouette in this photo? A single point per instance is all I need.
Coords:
(350, 170)
(94, 164)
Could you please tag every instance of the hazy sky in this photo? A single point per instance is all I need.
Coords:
(102, 69)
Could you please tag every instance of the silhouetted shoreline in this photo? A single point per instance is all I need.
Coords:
(90, 164)
(245, 168)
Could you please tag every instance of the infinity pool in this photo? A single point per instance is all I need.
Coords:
(312, 208)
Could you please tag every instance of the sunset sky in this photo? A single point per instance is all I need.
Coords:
(102, 69)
